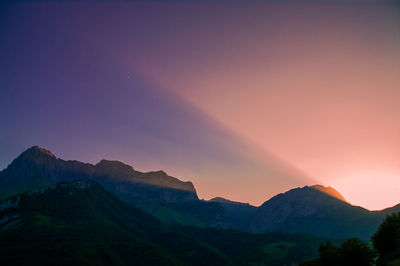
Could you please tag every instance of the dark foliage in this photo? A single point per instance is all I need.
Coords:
(352, 252)
(387, 240)
(80, 223)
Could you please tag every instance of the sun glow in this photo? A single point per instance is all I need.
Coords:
(360, 188)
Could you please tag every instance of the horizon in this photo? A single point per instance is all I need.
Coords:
(257, 99)
(197, 192)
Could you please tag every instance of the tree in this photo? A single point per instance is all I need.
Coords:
(328, 254)
(387, 239)
(352, 252)
(355, 252)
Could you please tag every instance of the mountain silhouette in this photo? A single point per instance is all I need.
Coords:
(36, 159)
(166, 197)
(316, 210)
(80, 223)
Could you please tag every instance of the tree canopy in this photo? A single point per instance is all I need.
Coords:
(387, 240)
(385, 250)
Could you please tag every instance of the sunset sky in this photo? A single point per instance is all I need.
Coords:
(245, 99)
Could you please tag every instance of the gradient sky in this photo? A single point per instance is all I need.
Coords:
(245, 99)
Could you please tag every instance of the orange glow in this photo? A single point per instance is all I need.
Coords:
(322, 93)
(374, 190)
(316, 84)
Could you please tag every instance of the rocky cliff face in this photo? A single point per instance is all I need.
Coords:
(313, 210)
(38, 167)
(155, 191)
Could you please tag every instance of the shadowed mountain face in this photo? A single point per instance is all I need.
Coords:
(238, 213)
(166, 197)
(38, 164)
(80, 223)
(316, 210)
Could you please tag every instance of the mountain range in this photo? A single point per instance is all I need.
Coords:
(315, 210)
(81, 223)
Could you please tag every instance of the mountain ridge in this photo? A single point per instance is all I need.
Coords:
(39, 155)
(313, 209)
(81, 223)
(166, 197)
(330, 191)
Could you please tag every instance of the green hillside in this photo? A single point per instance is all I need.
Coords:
(80, 223)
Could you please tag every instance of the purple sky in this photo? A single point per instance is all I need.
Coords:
(245, 99)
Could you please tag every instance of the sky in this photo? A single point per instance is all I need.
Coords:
(246, 99)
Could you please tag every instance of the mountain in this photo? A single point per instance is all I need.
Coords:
(80, 223)
(316, 210)
(166, 197)
(238, 213)
(329, 191)
(37, 166)
(390, 210)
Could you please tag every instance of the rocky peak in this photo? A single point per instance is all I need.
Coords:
(304, 201)
(36, 152)
(314, 195)
(329, 191)
(35, 155)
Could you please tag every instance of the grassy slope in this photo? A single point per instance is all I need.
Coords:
(73, 225)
